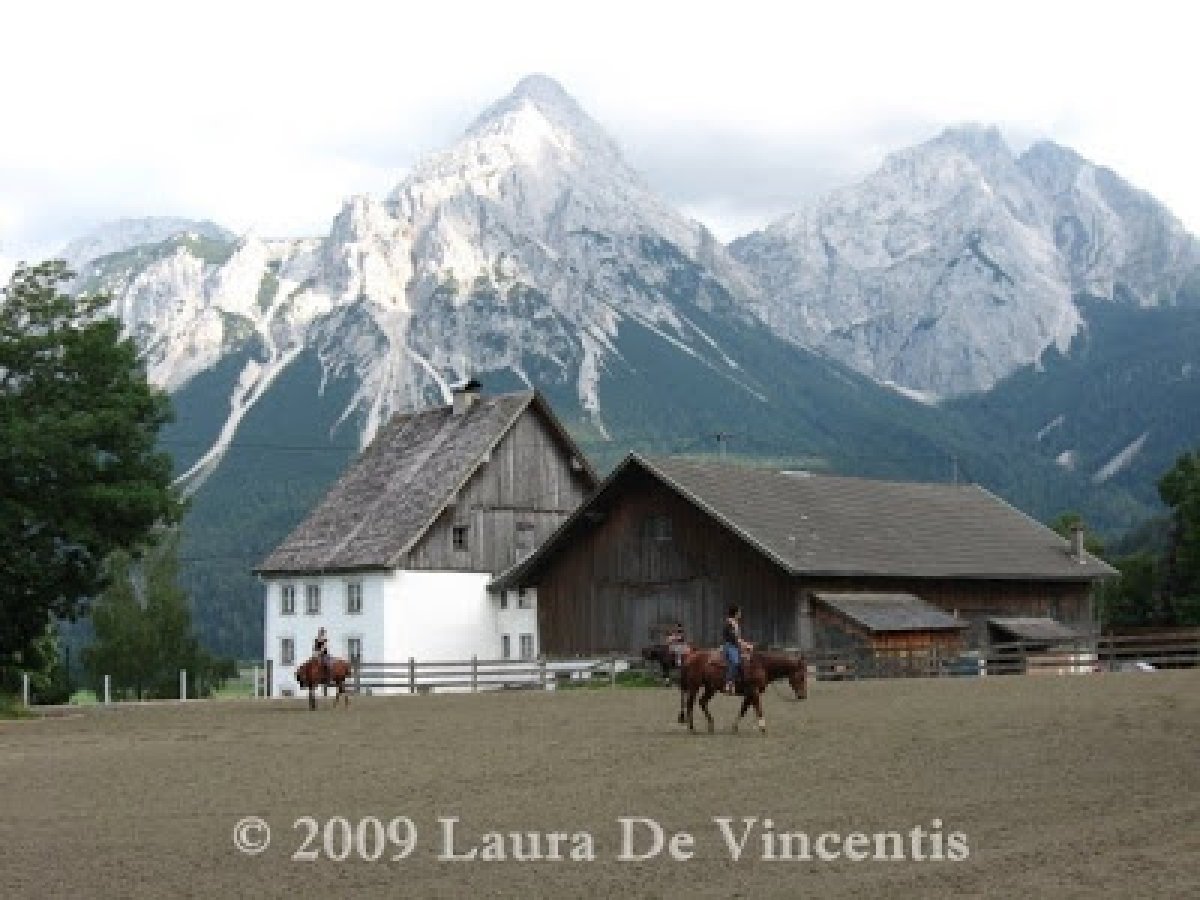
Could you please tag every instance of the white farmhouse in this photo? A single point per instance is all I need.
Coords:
(396, 559)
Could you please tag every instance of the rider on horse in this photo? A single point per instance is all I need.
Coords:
(677, 644)
(321, 651)
(732, 646)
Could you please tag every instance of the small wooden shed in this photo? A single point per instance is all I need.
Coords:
(892, 633)
(887, 622)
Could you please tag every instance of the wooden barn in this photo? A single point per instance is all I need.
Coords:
(396, 559)
(670, 539)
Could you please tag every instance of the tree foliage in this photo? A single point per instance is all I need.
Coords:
(143, 630)
(80, 473)
(1180, 490)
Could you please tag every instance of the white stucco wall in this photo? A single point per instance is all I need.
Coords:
(368, 626)
(428, 616)
(520, 617)
(439, 616)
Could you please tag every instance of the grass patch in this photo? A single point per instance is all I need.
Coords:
(11, 708)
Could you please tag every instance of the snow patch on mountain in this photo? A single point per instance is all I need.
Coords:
(1121, 460)
(1056, 422)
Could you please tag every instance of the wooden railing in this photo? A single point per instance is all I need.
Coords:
(1103, 654)
(417, 676)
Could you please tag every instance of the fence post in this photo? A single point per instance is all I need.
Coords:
(269, 686)
(542, 671)
(612, 671)
(474, 672)
(412, 675)
(108, 689)
(183, 684)
(254, 689)
(25, 689)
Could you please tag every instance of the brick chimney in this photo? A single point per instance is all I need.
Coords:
(465, 394)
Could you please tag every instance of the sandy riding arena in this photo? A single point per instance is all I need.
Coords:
(1053, 786)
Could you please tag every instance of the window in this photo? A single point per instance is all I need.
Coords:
(505, 646)
(525, 536)
(527, 646)
(354, 597)
(354, 648)
(460, 537)
(657, 528)
(504, 599)
(312, 599)
(287, 651)
(524, 601)
(287, 595)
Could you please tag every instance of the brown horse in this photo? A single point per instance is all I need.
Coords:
(786, 665)
(776, 663)
(311, 673)
(705, 670)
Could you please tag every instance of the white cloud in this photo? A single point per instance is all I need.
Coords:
(267, 114)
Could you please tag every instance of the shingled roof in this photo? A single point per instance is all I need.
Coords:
(832, 525)
(890, 612)
(400, 484)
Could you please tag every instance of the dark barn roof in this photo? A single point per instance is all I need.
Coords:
(400, 484)
(890, 612)
(1033, 629)
(829, 525)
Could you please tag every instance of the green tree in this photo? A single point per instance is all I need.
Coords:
(143, 630)
(1135, 598)
(80, 475)
(49, 681)
(1179, 488)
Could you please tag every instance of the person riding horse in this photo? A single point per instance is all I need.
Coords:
(677, 645)
(733, 646)
(321, 652)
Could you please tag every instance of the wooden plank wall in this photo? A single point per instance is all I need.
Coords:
(528, 480)
(615, 580)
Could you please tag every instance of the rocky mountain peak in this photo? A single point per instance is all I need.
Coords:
(540, 114)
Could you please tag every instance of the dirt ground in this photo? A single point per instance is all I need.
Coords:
(1067, 786)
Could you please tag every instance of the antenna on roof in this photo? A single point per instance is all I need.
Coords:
(722, 440)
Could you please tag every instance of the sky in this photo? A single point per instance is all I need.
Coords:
(267, 115)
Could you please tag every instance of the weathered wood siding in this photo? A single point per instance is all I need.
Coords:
(518, 496)
(834, 631)
(618, 577)
(614, 578)
(976, 600)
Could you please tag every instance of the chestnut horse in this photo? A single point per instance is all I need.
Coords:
(780, 664)
(310, 674)
(776, 663)
(705, 670)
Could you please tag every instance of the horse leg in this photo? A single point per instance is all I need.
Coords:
(312, 696)
(762, 722)
(691, 707)
(745, 706)
(709, 690)
(682, 701)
